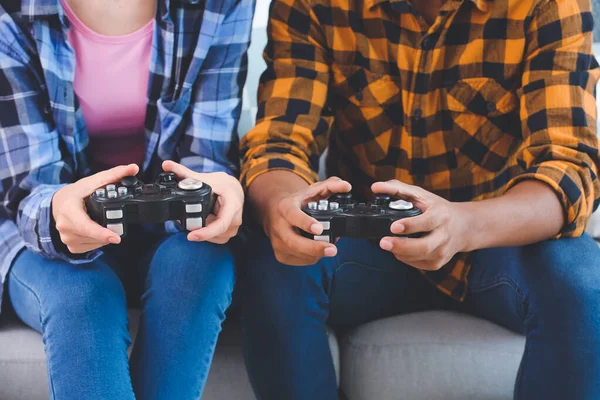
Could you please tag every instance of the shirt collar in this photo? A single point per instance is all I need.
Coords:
(482, 5)
(34, 9)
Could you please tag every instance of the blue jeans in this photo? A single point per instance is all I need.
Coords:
(549, 291)
(81, 311)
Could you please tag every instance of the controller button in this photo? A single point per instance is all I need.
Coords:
(111, 188)
(382, 199)
(193, 223)
(322, 238)
(122, 191)
(326, 225)
(116, 228)
(193, 208)
(334, 205)
(114, 214)
(313, 205)
(323, 205)
(401, 205)
(112, 194)
(139, 190)
(190, 184)
(166, 177)
(129, 181)
(101, 193)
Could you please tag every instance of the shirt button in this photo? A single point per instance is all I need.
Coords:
(428, 43)
(417, 113)
(359, 96)
(47, 109)
(491, 107)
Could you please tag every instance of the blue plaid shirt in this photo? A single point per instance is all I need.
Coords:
(194, 100)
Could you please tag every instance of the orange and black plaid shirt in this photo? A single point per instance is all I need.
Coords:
(492, 93)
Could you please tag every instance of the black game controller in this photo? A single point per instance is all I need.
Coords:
(130, 201)
(342, 216)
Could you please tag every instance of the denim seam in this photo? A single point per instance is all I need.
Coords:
(366, 266)
(339, 267)
(506, 280)
(43, 326)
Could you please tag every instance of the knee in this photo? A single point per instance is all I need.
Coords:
(564, 280)
(90, 294)
(188, 272)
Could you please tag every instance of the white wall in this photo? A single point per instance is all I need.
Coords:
(256, 65)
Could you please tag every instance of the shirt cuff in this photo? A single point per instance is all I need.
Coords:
(566, 183)
(45, 233)
(268, 163)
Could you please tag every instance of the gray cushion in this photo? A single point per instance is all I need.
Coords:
(23, 374)
(430, 355)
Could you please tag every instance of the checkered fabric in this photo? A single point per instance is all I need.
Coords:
(198, 67)
(494, 92)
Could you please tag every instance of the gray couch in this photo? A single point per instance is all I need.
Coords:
(395, 358)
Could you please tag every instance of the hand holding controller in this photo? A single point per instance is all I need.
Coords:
(342, 216)
(77, 231)
(130, 201)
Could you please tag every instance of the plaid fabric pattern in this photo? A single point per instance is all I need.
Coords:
(194, 102)
(492, 93)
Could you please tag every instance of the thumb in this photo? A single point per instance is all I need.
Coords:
(177, 169)
(91, 183)
(328, 187)
(400, 189)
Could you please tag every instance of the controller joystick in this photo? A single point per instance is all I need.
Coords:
(167, 177)
(342, 216)
(131, 201)
(129, 181)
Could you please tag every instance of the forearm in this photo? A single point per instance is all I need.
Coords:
(270, 186)
(528, 213)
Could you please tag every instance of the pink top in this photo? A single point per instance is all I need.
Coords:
(111, 83)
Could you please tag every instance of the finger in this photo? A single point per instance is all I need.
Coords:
(423, 223)
(291, 260)
(413, 248)
(84, 248)
(220, 239)
(299, 219)
(219, 225)
(85, 227)
(72, 239)
(399, 189)
(293, 243)
(177, 169)
(326, 188)
(93, 182)
(223, 239)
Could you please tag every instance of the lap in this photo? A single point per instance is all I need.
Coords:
(173, 265)
(363, 283)
(507, 285)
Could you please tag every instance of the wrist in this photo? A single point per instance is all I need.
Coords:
(471, 222)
